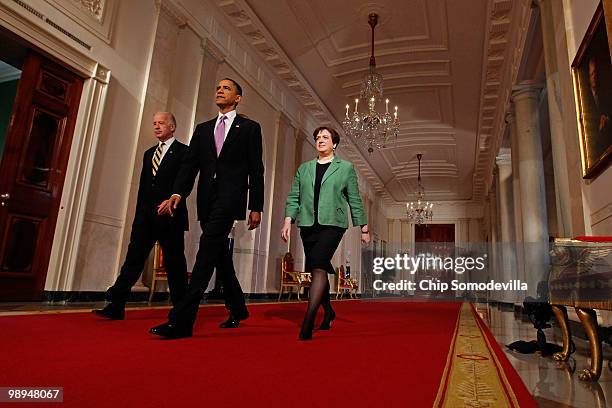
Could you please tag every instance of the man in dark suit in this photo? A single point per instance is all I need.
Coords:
(160, 168)
(227, 152)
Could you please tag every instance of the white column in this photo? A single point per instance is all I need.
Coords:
(494, 262)
(212, 57)
(555, 116)
(506, 217)
(516, 200)
(533, 193)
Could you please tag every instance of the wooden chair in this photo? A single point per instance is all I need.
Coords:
(290, 278)
(345, 284)
(159, 271)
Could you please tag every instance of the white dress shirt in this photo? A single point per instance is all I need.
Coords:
(165, 148)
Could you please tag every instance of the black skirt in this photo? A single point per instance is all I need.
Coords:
(320, 243)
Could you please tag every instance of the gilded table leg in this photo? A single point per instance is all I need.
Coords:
(561, 315)
(589, 322)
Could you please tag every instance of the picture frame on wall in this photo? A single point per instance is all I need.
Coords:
(592, 76)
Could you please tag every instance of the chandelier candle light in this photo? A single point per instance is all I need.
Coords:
(419, 211)
(371, 128)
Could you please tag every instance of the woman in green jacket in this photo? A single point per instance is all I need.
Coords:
(318, 200)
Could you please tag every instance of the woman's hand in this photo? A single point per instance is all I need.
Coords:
(286, 230)
(365, 238)
(365, 234)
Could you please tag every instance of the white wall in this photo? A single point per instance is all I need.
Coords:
(597, 194)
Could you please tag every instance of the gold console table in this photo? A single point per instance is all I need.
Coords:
(581, 277)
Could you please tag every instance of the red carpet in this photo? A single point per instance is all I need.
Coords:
(377, 354)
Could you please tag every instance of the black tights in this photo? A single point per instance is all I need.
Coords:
(317, 296)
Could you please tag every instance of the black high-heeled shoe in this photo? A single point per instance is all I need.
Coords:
(327, 320)
(305, 335)
(306, 330)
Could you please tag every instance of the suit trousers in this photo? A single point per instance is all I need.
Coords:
(211, 253)
(144, 234)
(234, 297)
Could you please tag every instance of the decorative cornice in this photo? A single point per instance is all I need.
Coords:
(94, 7)
(505, 40)
(102, 74)
(504, 159)
(168, 8)
(96, 16)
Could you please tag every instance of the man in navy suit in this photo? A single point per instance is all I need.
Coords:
(227, 153)
(160, 168)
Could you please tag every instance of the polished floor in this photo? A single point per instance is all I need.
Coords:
(552, 384)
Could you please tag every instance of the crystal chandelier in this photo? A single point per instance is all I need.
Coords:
(419, 211)
(372, 129)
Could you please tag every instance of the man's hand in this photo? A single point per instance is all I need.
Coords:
(365, 238)
(168, 206)
(286, 230)
(254, 220)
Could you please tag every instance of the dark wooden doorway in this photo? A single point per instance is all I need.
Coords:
(438, 241)
(32, 171)
(434, 233)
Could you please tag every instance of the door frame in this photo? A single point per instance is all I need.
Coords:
(71, 213)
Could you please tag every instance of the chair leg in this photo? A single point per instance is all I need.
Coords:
(280, 293)
(152, 289)
(563, 321)
(588, 318)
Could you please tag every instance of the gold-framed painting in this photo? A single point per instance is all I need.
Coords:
(592, 76)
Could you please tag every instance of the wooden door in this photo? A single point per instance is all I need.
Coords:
(434, 240)
(32, 173)
(434, 233)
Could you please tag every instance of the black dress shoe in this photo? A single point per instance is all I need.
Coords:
(171, 331)
(230, 323)
(111, 311)
(327, 320)
(233, 321)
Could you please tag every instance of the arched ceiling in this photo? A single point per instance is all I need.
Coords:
(446, 64)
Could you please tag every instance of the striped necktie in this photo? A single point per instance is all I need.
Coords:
(157, 158)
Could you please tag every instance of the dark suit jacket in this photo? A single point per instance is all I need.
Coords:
(153, 190)
(239, 169)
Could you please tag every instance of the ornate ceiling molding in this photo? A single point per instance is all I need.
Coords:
(507, 26)
(169, 9)
(96, 16)
(93, 7)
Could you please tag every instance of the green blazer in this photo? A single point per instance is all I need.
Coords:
(338, 188)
